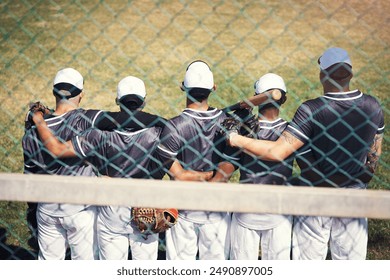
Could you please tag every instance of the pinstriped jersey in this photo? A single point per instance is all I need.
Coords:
(38, 160)
(340, 129)
(191, 138)
(123, 154)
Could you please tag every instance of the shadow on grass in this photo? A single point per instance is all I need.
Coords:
(12, 252)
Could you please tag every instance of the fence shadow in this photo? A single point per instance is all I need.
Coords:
(12, 252)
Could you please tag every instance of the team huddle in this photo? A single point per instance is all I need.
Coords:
(335, 139)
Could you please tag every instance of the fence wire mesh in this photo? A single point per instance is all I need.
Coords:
(155, 41)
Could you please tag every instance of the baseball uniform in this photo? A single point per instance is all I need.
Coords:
(38, 161)
(271, 231)
(190, 138)
(63, 224)
(123, 154)
(341, 128)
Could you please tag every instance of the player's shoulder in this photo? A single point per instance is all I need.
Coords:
(156, 130)
(210, 115)
(91, 112)
(370, 98)
(190, 115)
(151, 134)
(181, 118)
(77, 113)
(173, 122)
(314, 101)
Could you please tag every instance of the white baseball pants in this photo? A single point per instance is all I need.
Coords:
(115, 246)
(186, 239)
(56, 234)
(275, 243)
(347, 238)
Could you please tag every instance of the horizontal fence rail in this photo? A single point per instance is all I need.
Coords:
(230, 197)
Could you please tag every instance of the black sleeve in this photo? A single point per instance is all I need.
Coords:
(133, 119)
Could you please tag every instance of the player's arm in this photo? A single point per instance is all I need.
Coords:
(51, 142)
(223, 173)
(177, 172)
(227, 163)
(267, 150)
(372, 159)
(375, 153)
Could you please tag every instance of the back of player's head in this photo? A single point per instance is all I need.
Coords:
(269, 82)
(131, 93)
(68, 83)
(198, 80)
(336, 64)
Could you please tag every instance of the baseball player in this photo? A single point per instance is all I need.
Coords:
(120, 153)
(65, 225)
(187, 142)
(249, 230)
(345, 130)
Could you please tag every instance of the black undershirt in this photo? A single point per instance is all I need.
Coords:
(131, 119)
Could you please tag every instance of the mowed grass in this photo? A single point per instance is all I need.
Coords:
(155, 40)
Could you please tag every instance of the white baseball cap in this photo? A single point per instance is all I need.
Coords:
(131, 85)
(269, 81)
(198, 75)
(69, 76)
(332, 56)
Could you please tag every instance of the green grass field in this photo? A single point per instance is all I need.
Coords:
(155, 40)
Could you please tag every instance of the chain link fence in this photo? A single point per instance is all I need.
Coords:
(156, 40)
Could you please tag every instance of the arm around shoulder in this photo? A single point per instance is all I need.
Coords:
(267, 150)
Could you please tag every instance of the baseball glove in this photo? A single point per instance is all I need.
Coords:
(230, 125)
(248, 121)
(33, 108)
(153, 220)
(250, 127)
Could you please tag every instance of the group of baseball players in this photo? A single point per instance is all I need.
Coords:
(336, 139)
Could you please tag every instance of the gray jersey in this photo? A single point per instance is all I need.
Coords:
(123, 154)
(38, 160)
(191, 138)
